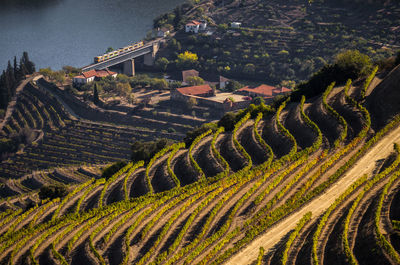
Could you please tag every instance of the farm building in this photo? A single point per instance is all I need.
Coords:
(90, 76)
(181, 93)
(189, 73)
(163, 32)
(265, 91)
(195, 26)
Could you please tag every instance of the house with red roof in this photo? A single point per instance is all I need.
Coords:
(183, 93)
(90, 76)
(264, 91)
(195, 26)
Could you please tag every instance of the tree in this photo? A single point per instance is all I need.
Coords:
(195, 80)
(186, 60)
(249, 69)
(353, 62)
(233, 85)
(162, 63)
(191, 103)
(96, 99)
(109, 49)
(17, 72)
(228, 121)
(30, 66)
(160, 84)
(52, 192)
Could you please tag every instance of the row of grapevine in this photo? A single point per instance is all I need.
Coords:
(128, 175)
(335, 114)
(267, 148)
(87, 191)
(238, 146)
(192, 160)
(111, 180)
(69, 196)
(176, 148)
(382, 241)
(217, 154)
(285, 131)
(325, 216)
(368, 82)
(303, 221)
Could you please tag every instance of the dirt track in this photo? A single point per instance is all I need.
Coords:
(318, 205)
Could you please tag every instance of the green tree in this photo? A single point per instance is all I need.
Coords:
(195, 80)
(160, 84)
(96, 99)
(30, 66)
(249, 69)
(162, 63)
(109, 49)
(354, 62)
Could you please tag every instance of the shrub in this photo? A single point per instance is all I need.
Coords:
(52, 192)
(111, 170)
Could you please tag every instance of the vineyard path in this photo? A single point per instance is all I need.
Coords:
(319, 204)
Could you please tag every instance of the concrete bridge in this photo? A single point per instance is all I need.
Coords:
(149, 51)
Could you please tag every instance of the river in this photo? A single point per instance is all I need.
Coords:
(71, 32)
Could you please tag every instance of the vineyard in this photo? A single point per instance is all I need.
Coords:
(311, 183)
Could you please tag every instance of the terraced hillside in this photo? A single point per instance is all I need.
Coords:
(58, 139)
(230, 193)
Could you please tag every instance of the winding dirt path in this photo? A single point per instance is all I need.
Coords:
(317, 206)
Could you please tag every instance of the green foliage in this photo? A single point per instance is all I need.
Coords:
(368, 82)
(112, 169)
(260, 256)
(191, 135)
(162, 63)
(186, 60)
(146, 150)
(336, 115)
(348, 64)
(52, 192)
(192, 160)
(195, 80)
(303, 221)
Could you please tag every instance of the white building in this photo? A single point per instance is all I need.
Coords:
(90, 76)
(195, 26)
(236, 25)
(163, 32)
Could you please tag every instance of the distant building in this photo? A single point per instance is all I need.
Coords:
(182, 93)
(264, 91)
(90, 76)
(195, 26)
(236, 25)
(163, 32)
(189, 73)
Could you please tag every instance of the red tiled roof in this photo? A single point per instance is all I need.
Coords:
(195, 90)
(97, 73)
(194, 23)
(89, 74)
(264, 90)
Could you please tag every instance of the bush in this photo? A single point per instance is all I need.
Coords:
(146, 150)
(191, 135)
(111, 170)
(52, 192)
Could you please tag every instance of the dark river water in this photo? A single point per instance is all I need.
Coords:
(71, 32)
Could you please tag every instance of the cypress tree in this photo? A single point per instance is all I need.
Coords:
(17, 73)
(95, 95)
(30, 66)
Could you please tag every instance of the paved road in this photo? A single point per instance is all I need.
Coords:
(318, 205)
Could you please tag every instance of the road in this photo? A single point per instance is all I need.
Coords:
(317, 206)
